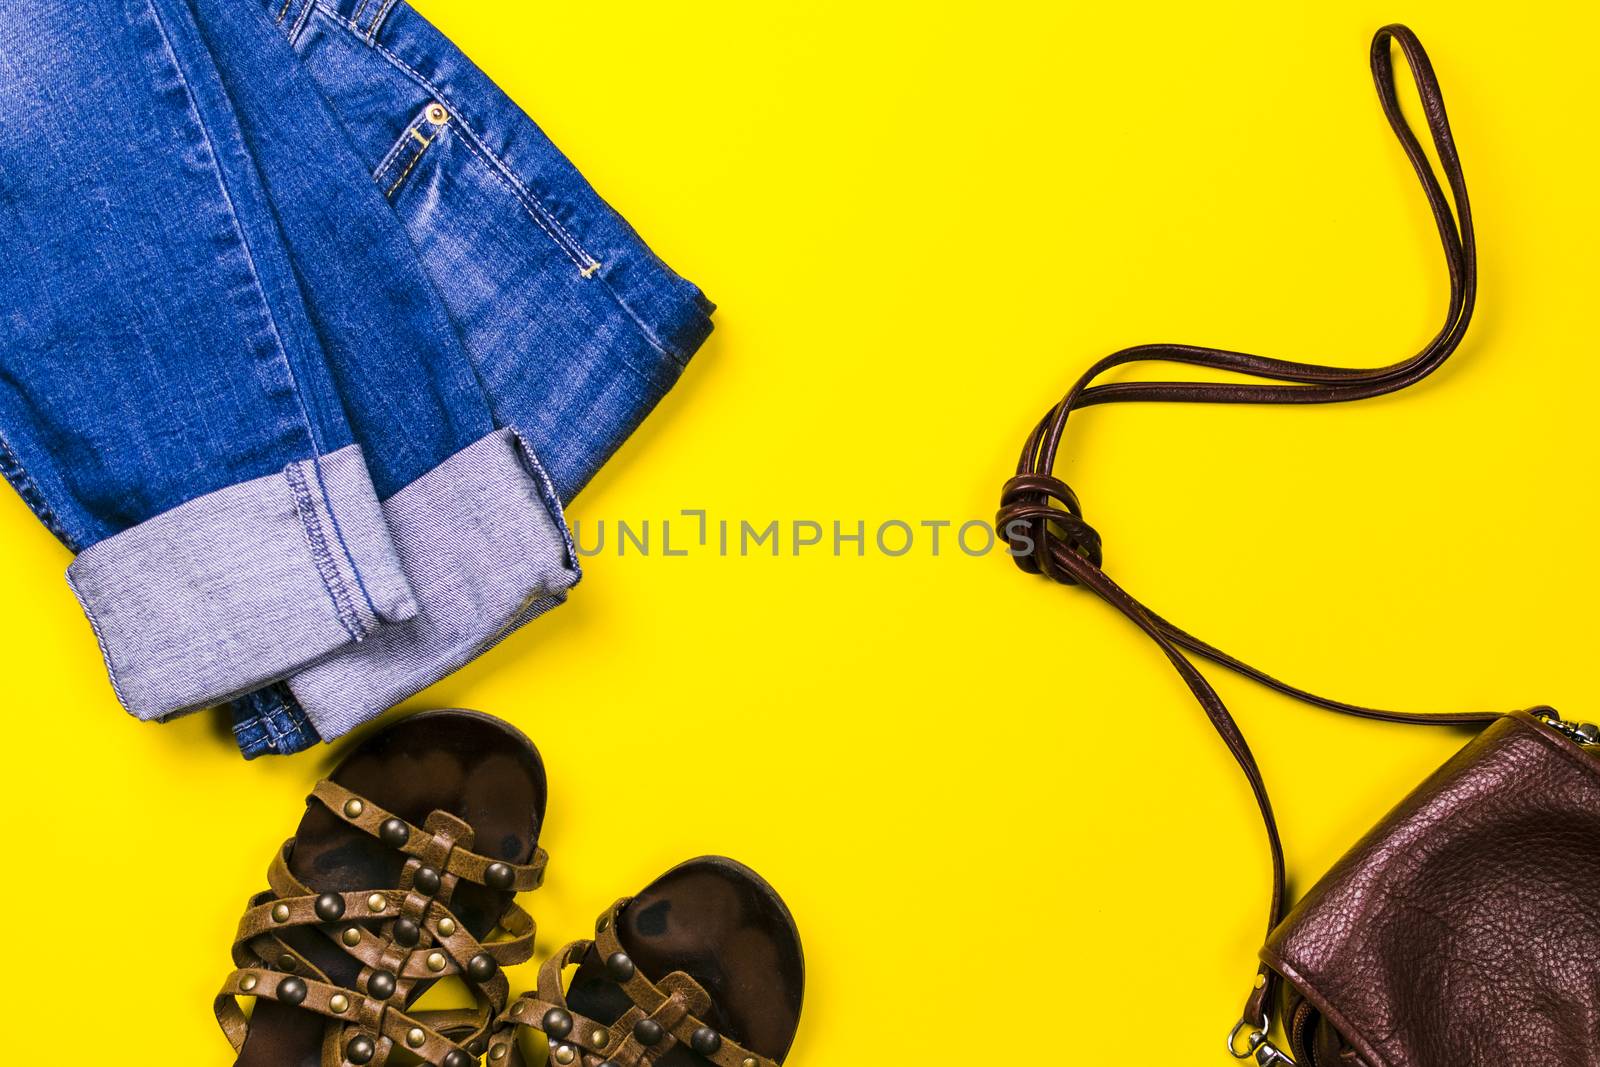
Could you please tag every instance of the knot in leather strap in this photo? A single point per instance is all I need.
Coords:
(1039, 516)
(1042, 521)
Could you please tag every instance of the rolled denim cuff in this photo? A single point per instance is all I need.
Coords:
(484, 543)
(270, 722)
(239, 587)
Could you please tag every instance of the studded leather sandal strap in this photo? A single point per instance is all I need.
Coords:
(658, 1004)
(439, 922)
(468, 1028)
(317, 910)
(663, 1015)
(399, 937)
(402, 836)
(399, 1028)
(451, 949)
(570, 1035)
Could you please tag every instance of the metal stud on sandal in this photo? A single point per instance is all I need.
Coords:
(405, 863)
(702, 968)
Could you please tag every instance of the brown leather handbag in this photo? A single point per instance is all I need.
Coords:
(1463, 930)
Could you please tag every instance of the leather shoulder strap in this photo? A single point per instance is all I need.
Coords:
(1041, 517)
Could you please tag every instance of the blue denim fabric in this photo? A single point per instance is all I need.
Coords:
(575, 328)
(265, 267)
(268, 721)
(154, 344)
(156, 360)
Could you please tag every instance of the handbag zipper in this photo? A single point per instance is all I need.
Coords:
(1583, 733)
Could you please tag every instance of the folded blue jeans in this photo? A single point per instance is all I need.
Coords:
(310, 332)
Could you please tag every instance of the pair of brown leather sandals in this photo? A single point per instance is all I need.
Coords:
(403, 873)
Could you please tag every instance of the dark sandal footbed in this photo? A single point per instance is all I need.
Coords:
(724, 926)
(470, 765)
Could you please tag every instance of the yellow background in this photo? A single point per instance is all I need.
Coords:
(1004, 827)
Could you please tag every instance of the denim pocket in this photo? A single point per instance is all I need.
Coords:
(430, 125)
(575, 326)
(465, 180)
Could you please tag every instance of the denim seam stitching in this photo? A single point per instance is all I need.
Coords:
(300, 734)
(295, 737)
(579, 255)
(415, 159)
(274, 735)
(286, 733)
(375, 27)
(338, 535)
(531, 205)
(265, 306)
(539, 213)
(233, 214)
(17, 475)
(267, 312)
(550, 498)
(588, 266)
(246, 733)
(100, 639)
(300, 23)
(321, 557)
(412, 134)
(394, 150)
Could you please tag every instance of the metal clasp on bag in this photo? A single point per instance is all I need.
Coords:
(1256, 1045)
(1586, 734)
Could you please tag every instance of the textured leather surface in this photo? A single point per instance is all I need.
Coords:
(1464, 930)
(713, 962)
(428, 826)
